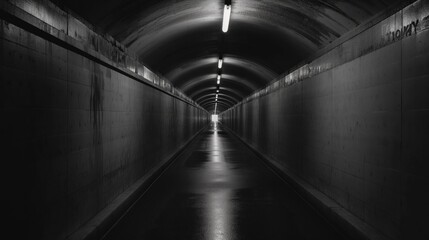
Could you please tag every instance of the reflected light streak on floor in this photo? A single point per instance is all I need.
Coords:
(215, 145)
(219, 215)
(219, 205)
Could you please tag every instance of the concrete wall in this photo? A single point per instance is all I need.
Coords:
(357, 130)
(77, 133)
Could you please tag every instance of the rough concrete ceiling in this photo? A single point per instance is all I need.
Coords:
(183, 39)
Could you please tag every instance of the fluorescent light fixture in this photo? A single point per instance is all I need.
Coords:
(217, 90)
(226, 17)
(216, 95)
(218, 81)
(219, 64)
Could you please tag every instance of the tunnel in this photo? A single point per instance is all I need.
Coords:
(215, 119)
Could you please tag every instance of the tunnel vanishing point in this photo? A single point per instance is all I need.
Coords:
(322, 127)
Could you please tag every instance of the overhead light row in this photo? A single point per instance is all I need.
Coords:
(219, 65)
(225, 26)
(218, 82)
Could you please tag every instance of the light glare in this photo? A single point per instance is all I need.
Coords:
(219, 64)
(226, 17)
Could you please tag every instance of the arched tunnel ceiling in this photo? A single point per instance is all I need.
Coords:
(183, 40)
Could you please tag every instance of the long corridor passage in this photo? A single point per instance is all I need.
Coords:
(218, 189)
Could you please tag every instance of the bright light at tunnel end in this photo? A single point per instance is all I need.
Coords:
(226, 17)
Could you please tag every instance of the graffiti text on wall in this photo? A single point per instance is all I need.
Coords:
(405, 31)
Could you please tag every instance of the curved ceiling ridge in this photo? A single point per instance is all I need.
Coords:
(183, 40)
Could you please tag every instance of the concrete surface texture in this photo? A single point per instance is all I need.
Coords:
(357, 131)
(77, 133)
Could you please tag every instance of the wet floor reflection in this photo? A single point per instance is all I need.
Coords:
(218, 190)
(215, 145)
(219, 217)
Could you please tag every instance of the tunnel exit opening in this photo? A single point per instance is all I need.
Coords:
(215, 118)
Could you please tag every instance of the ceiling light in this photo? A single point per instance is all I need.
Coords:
(226, 17)
(219, 64)
(217, 90)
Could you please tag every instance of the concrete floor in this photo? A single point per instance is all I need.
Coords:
(217, 189)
